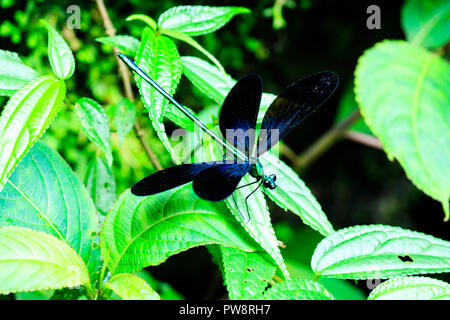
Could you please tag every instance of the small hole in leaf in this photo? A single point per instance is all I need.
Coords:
(405, 258)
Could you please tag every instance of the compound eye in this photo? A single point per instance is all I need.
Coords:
(267, 184)
(273, 177)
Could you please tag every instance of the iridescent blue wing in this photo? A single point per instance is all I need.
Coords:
(239, 112)
(293, 105)
(168, 178)
(218, 182)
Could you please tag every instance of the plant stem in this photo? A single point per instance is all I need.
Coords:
(364, 138)
(322, 144)
(125, 74)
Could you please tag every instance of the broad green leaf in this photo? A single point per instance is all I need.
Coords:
(292, 194)
(297, 289)
(427, 22)
(127, 44)
(347, 105)
(164, 289)
(143, 231)
(26, 116)
(404, 95)
(34, 295)
(246, 274)
(59, 54)
(184, 37)
(99, 181)
(198, 20)
(123, 115)
(13, 73)
(33, 260)
(379, 252)
(411, 288)
(215, 84)
(158, 57)
(131, 287)
(44, 194)
(94, 123)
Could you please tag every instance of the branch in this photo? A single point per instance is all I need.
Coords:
(364, 138)
(325, 142)
(125, 74)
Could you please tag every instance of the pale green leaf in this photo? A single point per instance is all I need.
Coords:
(198, 20)
(184, 37)
(173, 114)
(44, 194)
(99, 181)
(33, 260)
(411, 288)
(427, 22)
(123, 116)
(126, 44)
(246, 274)
(131, 287)
(404, 95)
(59, 54)
(26, 116)
(143, 231)
(297, 289)
(379, 252)
(13, 73)
(292, 194)
(158, 57)
(94, 123)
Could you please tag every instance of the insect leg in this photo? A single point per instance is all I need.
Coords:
(246, 198)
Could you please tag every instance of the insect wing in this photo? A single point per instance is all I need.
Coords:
(237, 119)
(293, 105)
(218, 182)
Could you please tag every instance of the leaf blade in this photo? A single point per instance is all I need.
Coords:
(14, 74)
(25, 118)
(131, 287)
(32, 260)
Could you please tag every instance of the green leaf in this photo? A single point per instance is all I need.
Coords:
(198, 20)
(404, 95)
(123, 116)
(297, 289)
(26, 116)
(246, 274)
(258, 225)
(379, 252)
(32, 260)
(59, 54)
(99, 181)
(173, 114)
(158, 57)
(426, 22)
(94, 123)
(292, 194)
(44, 194)
(131, 287)
(13, 73)
(347, 105)
(143, 231)
(215, 84)
(184, 37)
(411, 288)
(126, 44)
(142, 17)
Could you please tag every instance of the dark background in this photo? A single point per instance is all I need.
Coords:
(354, 184)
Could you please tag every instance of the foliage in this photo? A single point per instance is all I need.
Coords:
(60, 238)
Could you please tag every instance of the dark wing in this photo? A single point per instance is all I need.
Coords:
(293, 105)
(168, 178)
(218, 182)
(240, 111)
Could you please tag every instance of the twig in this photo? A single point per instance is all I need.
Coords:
(325, 142)
(364, 138)
(125, 74)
